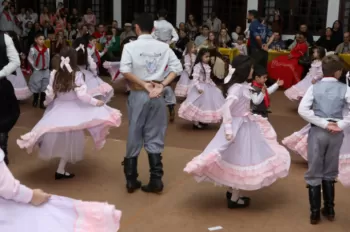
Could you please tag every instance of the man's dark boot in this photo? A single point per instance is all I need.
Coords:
(130, 171)
(35, 99)
(3, 145)
(171, 113)
(42, 99)
(315, 203)
(328, 199)
(155, 184)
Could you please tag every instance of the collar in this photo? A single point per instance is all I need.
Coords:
(329, 79)
(145, 36)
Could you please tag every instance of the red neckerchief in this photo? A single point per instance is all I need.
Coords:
(8, 16)
(42, 54)
(116, 75)
(266, 97)
(96, 53)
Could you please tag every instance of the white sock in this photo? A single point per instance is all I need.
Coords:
(62, 167)
(236, 197)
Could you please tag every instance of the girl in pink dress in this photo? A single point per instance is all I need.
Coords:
(297, 91)
(184, 83)
(96, 87)
(19, 83)
(204, 100)
(71, 110)
(244, 154)
(19, 211)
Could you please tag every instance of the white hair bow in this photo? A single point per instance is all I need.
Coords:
(65, 63)
(231, 71)
(81, 46)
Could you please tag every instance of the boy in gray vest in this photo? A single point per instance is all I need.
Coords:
(323, 106)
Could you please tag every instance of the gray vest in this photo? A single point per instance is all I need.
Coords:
(329, 99)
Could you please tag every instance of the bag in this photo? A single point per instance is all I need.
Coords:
(305, 60)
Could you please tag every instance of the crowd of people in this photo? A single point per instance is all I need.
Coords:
(150, 54)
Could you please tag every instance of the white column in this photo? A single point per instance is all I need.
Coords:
(117, 11)
(180, 11)
(332, 12)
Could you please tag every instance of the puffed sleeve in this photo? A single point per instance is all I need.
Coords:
(188, 66)
(50, 95)
(81, 90)
(226, 110)
(10, 188)
(196, 75)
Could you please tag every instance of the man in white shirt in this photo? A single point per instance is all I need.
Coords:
(7, 22)
(163, 30)
(143, 64)
(9, 113)
(214, 23)
(202, 37)
(323, 106)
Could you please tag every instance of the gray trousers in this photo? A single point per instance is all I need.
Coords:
(169, 96)
(147, 124)
(39, 81)
(323, 155)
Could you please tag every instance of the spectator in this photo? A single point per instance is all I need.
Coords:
(90, 19)
(309, 37)
(191, 27)
(277, 22)
(277, 42)
(45, 16)
(181, 44)
(74, 18)
(47, 30)
(60, 22)
(33, 15)
(182, 26)
(70, 33)
(236, 33)
(224, 39)
(224, 26)
(22, 15)
(200, 39)
(214, 23)
(128, 32)
(100, 32)
(327, 40)
(337, 32)
(345, 46)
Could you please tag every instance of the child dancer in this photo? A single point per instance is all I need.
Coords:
(55, 212)
(93, 52)
(323, 106)
(260, 97)
(116, 75)
(296, 92)
(184, 83)
(20, 85)
(60, 133)
(96, 87)
(244, 154)
(39, 58)
(204, 100)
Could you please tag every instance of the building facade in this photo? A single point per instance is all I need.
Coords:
(318, 14)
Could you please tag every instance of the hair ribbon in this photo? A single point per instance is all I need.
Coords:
(231, 71)
(65, 63)
(80, 47)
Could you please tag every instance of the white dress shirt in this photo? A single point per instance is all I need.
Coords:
(164, 31)
(258, 98)
(148, 59)
(12, 56)
(306, 112)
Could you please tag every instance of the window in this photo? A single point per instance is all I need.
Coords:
(97, 7)
(345, 14)
(207, 9)
(50, 4)
(296, 12)
(232, 12)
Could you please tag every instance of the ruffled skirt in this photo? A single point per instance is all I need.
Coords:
(205, 107)
(183, 85)
(20, 85)
(297, 91)
(98, 88)
(297, 142)
(60, 133)
(60, 214)
(252, 160)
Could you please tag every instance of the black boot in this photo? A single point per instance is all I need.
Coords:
(315, 203)
(35, 99)
(155, 184)
(229, 195)
(42, 99)
(130, 171)
(3, 145)
(171, 113)
(328, 199)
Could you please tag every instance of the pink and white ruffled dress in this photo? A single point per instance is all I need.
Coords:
(59, 214)
(205, 107)
(297, 142)
(116, 75)
(95, 85)
(253, 159)
(60, 132)
(19, 83)
(297, 91)
(185, 82)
